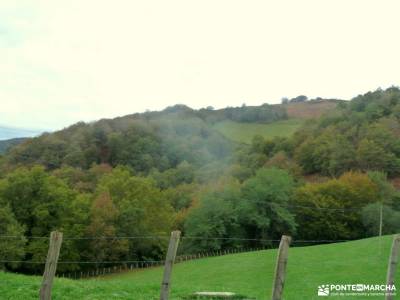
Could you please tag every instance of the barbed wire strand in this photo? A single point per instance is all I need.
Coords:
(86, 237)
(167, 237)
(87, 262)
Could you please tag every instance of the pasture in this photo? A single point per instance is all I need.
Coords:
(244, 132)
(249, 274)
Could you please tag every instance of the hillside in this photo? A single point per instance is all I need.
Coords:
(156, 140)
(310, 109)
(196, 136)
(244, 132)
(249, 274)
(7, 144)
(148, 174)
(297, 113)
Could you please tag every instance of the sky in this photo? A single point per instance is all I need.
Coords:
(64, 61)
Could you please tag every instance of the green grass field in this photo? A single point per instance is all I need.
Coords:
(250, 274)
(244, 132)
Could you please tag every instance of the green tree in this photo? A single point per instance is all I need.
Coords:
(212, 220)
(13, 248)
(142, 211)
(371, 219)
(342, 157)
(387, 198)
(371, 156)
(264, 210)
(104, 246)
(41, 203)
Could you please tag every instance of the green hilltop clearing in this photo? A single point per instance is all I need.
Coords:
(244, 132)
(249, 274)
(298, 113)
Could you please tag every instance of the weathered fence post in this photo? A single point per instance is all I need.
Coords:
(169, 262)
(280, 269)
(51, 265)
(393, 259)
(380, 219)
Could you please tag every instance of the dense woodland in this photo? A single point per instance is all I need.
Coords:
(146, 174)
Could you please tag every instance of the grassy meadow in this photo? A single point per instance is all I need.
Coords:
(249, 274)
(244, 132)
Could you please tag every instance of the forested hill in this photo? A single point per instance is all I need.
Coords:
(146, 174)
(154, 140)
(146, 141)
(362, 134)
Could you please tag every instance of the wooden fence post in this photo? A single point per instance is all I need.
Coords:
(393, 259)
(280, 269)
(169, 262)
(51, 265)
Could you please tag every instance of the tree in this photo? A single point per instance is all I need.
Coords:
(386, 191)
(371, 156)
(183, 173)
(40, 203)
(305, 156)
(387, 198)
(142, 210)
(300, 98)
(371, 219)
(13, 248)
(281, 161)
(212, 220)
(332, 209)
(342, 157)
(264, 209)
(104, 246)
(33, 196)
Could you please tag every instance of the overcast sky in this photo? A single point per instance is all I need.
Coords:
(71, 60)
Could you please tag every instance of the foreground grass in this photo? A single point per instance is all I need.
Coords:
(250, 274)
(244, 132)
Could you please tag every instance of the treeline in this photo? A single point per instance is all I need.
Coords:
(94, 207)
(245, 114)
(349, 153)
(146, 174)
(273, 203)
(264, 113)
(362, 134)
(34, 202)
(143, 143)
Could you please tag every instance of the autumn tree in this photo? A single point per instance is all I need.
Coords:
(104, 245)
(332, 209)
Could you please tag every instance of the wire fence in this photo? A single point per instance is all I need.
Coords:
(100, 268)
(304, 273)
(167, 238)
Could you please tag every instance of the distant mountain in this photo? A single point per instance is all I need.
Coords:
(7, 133)
(7, 144)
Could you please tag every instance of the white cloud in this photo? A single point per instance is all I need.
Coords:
(65, 61)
